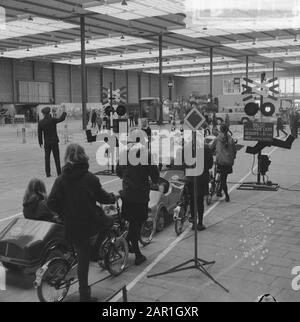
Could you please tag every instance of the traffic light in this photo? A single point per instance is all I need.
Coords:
(251, 109)
(268, 109)
(108, 110)
(264, 163)
(121, 110)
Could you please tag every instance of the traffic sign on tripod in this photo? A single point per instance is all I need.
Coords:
(194, 120)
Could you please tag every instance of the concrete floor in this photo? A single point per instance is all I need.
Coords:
(255, 239)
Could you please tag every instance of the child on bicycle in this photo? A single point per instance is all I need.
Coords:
(225, 149)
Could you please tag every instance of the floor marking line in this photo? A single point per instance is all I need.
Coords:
(176, 241)
(11, 217)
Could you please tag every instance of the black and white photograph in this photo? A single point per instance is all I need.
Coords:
(149, 154)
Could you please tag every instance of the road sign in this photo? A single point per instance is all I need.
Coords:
(267, 89)
(118, 96)
(263, 132)
(194, 120)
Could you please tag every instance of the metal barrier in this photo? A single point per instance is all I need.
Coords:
(124, 293)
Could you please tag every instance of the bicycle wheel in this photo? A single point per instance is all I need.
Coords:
(116, 257)
(147, 232)
(218, 183)
(53, 286)
(179, 222)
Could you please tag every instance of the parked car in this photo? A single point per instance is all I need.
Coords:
(27, 244)
(236, 115)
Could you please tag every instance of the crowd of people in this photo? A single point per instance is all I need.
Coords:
(76, 193)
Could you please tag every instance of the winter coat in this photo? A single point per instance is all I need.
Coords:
(74, 196)
(47, 126)
(225, 150)
(36, 209)
(94, 117)
(136, 186)
(208, 164)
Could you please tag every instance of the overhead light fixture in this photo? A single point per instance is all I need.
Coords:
(296, 38)
(27, 49)
(254, 42)
(139, 55)
(32, 26)
(74, 46)
(137, 9)
(150, 52)
(56, 45)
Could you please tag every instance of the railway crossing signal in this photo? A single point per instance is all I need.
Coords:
(267, 89)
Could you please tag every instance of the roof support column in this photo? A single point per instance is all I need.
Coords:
(160, 78)
(83, 73)
(247, 68)
(140, 92)
(211, 75)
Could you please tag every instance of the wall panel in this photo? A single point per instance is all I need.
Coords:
(43, 72)
(76, 84)
(145, 85)
(120, 79)
(62, 83)
(24, 70)
(133, 88)
(6, 88)
(93, 82)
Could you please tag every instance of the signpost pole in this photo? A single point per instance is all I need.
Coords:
(195, 202)
(263, 76)
(111, 124)
(83, 73)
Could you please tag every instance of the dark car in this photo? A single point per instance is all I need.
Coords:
(28, 244)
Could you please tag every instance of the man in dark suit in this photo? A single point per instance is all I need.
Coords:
(47, 128)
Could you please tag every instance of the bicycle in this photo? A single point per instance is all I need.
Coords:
(214, 184)
(182, 212)
(60, 273)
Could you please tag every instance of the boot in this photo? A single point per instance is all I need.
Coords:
(85, 295)
(139, 257)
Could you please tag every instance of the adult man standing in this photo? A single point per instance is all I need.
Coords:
(47, 129)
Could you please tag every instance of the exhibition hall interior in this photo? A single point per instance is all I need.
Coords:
(149, 151)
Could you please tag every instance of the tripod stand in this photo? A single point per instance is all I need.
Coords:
(197, 263)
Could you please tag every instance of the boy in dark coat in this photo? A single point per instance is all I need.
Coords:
(135, 197)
